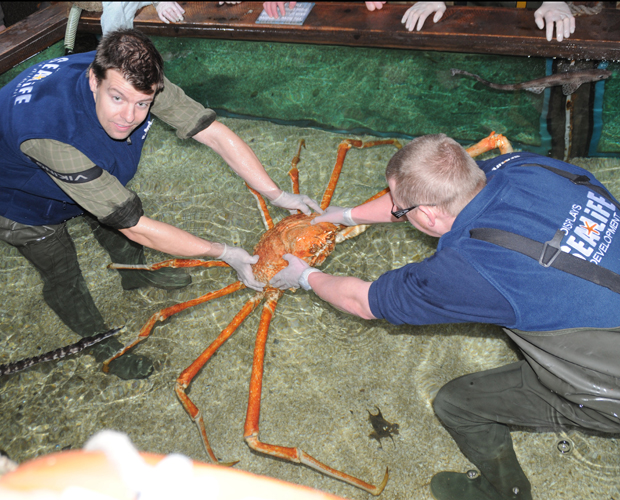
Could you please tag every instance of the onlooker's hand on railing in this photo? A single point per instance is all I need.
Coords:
(556, 14)
(418, 12)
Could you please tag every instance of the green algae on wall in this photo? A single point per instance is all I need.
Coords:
(388, 91)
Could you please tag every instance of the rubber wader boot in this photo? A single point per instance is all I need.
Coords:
(65, 291)
(501, 479)
(128, 366)
(124, 251)
(458, 486)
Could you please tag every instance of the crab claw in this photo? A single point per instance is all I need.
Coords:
(489, 143)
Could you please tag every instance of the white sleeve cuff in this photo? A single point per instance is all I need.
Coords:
(303, 279)
(346, 216)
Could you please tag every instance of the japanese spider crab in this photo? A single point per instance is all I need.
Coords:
(293, 234)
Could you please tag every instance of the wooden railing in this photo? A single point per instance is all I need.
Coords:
(486, 30)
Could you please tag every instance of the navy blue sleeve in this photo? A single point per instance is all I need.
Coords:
(444, 288)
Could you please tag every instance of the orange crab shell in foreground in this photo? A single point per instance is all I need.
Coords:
(293, 234)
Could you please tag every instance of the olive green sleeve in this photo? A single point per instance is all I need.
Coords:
(101, 196)
(175, 108)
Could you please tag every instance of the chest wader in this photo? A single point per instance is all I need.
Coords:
(478, 408)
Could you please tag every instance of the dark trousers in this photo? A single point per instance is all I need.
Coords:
(478, 409)
(51, 251)
(64, 288)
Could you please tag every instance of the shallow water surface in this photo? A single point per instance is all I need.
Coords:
(324, 369)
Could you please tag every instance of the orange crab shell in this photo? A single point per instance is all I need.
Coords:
(293, 234)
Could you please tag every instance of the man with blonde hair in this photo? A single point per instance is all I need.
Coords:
(526, 242)
(437, 170)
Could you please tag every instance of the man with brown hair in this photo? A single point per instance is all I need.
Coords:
(526, 242)
(71, 137)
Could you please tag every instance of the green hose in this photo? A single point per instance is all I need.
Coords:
(72, 25)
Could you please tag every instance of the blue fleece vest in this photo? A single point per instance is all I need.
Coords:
(52, 100)
(533, 202)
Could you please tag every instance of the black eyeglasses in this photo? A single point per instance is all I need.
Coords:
(399, 213)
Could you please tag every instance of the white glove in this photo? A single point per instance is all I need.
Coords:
(294, 275)
(294, 202)
(240, 261)
(419, 11)
(558, 13)
(336, 215)
(169, 11)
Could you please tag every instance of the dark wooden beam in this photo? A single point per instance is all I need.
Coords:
(484, 30)
(32, 35)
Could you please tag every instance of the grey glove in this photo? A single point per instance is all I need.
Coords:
(294, 275)
(336, 215)
(293, 202)
(240, 261)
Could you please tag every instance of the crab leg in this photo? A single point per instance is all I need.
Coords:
(169, 311)
(343, 148)
(174, 263)
(293, 172)
(489, 143)
(262, 206)
(378, 195)
(190, 372)
(294, 175)
(295, 455)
